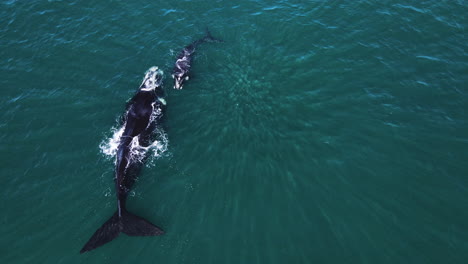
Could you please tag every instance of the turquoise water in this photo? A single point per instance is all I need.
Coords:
(319, 132)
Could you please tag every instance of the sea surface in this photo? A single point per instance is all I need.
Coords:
(317, 132)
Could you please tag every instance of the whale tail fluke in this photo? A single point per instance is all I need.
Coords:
(209, 38)
(133, 225)
(106, 233)
(127, 223)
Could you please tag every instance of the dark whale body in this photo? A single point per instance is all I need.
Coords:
(184, 60)
(144, 112)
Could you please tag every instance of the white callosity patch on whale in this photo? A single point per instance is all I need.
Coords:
(152, 80)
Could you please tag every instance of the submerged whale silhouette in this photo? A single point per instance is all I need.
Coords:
(144, 112)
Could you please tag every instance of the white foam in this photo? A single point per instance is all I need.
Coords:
(138, 152)
(154, 150)
(109, 146)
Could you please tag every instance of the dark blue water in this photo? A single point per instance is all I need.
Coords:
(318, 132)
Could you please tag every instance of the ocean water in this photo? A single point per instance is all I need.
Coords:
(318, 132)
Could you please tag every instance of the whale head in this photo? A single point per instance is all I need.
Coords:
(153, 79)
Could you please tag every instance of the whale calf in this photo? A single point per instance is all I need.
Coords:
(184, 60)
(144, 112)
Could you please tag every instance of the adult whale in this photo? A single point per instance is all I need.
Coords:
(184, 60)
(144, 111)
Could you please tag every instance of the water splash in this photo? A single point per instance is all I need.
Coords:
(109, 146)
(138, 152)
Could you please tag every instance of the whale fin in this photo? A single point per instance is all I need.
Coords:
(209, 38)
(128, 223)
